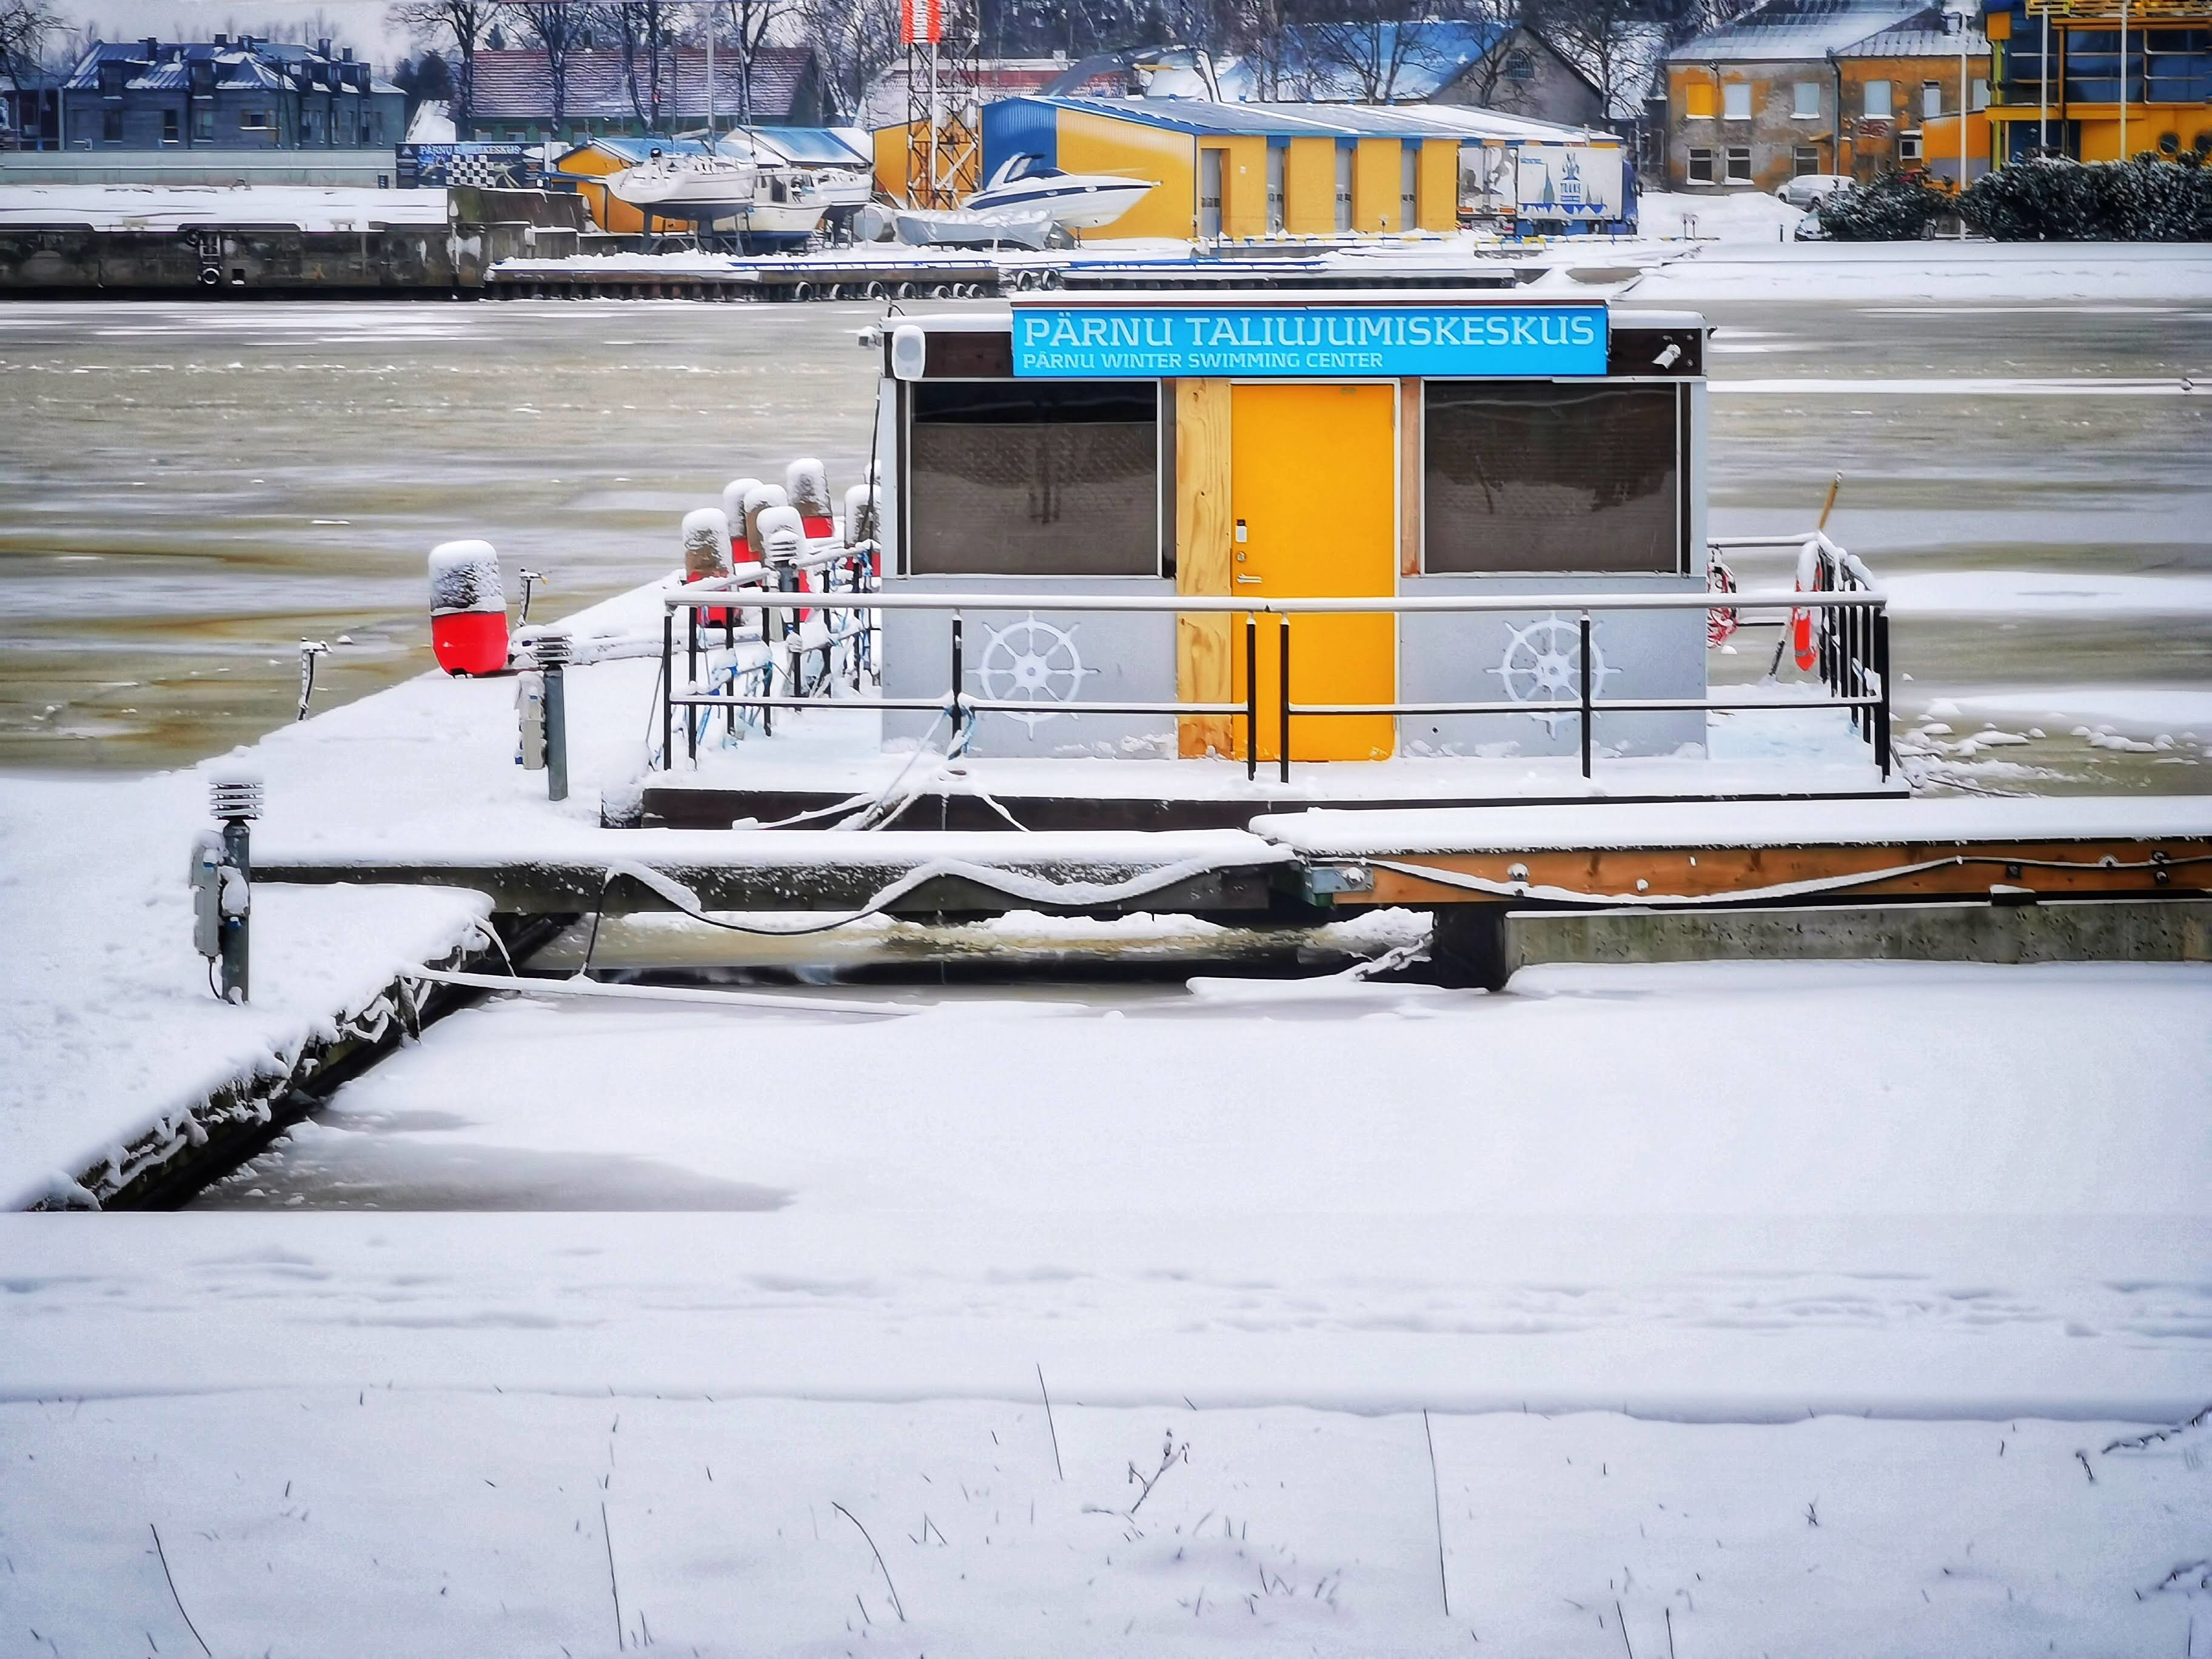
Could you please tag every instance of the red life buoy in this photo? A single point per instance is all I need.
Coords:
(1812, 578)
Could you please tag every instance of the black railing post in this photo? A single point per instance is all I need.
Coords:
(1251, 696)
(954, 738)
(1587, 712)
(1285, 759)
(1881, 690)
(668, 691)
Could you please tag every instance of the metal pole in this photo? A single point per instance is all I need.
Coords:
(1286, 759)
(1963, 25)
(1882, 673)
(2043, 91)
(2123, 81)
(667, 691)
(1251, 696)
(552, 652)
(956, 678)
(238, 850)
(711, 140)
(691, 682)
(1584, 672)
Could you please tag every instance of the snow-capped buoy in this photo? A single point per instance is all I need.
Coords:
(706, 554)
(733, 503)
(468, 608)
(759, 496)
(806, 482)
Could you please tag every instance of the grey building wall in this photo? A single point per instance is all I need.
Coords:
(1552, 89)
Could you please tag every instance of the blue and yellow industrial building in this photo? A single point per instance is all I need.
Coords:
(1240, 171)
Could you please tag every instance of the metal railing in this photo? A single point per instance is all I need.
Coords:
(1850, 616)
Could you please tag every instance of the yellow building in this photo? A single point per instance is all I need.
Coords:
(2101, 80)
(1248, 171)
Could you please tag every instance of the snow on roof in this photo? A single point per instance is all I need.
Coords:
(515, 85)
(1303, 120)
(1921, 35)
(1783, 29)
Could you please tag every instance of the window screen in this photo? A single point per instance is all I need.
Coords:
(1540, 477)
(1023, 478)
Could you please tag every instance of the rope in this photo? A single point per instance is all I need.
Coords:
(1779, 890)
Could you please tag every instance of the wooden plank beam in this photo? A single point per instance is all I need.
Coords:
(1203, 563)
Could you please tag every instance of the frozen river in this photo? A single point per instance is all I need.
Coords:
(187, 490)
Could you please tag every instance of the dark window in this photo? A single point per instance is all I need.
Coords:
(1908, 146)
(1527, 476)
(111, 126)
(1701, 167)
(168, 126)
(1739, 164)
(1026, 478)
(1805, 159)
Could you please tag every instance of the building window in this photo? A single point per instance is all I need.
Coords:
(1908, 146)
(252, 120)
(169, 126)
(204, 125)
(1698, 100)
(111, 126)
(1027, 478)
(1544, 476)
(1805, 102)
(1701, 167)
(1735, 100)
(1804, 160)
(1520, 64)
(1981, 97)
(1931, 99)
(1739, 164)
(1877, 100)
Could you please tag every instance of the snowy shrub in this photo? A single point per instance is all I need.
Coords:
(2148, 200)
(1895, 208)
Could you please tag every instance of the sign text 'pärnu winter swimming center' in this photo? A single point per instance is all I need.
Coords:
(1078, 341)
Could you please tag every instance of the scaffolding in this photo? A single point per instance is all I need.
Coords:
(944, 104)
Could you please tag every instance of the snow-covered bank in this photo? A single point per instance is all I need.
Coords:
(1973, 274)
(599, 1525)
(178, 207)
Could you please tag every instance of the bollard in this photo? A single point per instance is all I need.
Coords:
(553, 652)
(222, 874)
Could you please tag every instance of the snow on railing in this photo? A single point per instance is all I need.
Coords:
(1844, 631)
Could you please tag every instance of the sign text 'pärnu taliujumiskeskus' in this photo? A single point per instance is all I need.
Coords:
(1140, 343)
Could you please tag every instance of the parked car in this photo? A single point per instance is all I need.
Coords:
(1809, 189)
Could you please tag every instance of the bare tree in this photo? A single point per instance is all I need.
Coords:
(854, 41)
(24, 27)
(459, 26)
(1611, 41)
(559, 27)
(750, 23)
(644, 26)
(1373, 45)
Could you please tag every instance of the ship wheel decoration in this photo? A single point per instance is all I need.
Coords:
(1031, 661)
(1543, 664)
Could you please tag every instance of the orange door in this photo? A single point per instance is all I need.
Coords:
(1314, 511)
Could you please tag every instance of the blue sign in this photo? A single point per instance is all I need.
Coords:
(1456, 341)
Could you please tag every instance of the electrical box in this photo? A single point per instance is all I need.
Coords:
(530, 720)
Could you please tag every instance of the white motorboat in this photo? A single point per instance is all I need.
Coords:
(958, 228)
(1073, 201)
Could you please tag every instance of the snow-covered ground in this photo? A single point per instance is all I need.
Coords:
(1748, 1299)
(171, 207)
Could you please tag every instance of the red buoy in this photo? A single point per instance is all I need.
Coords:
(468, 608)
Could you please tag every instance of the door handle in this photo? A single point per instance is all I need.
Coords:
(1242, 578)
